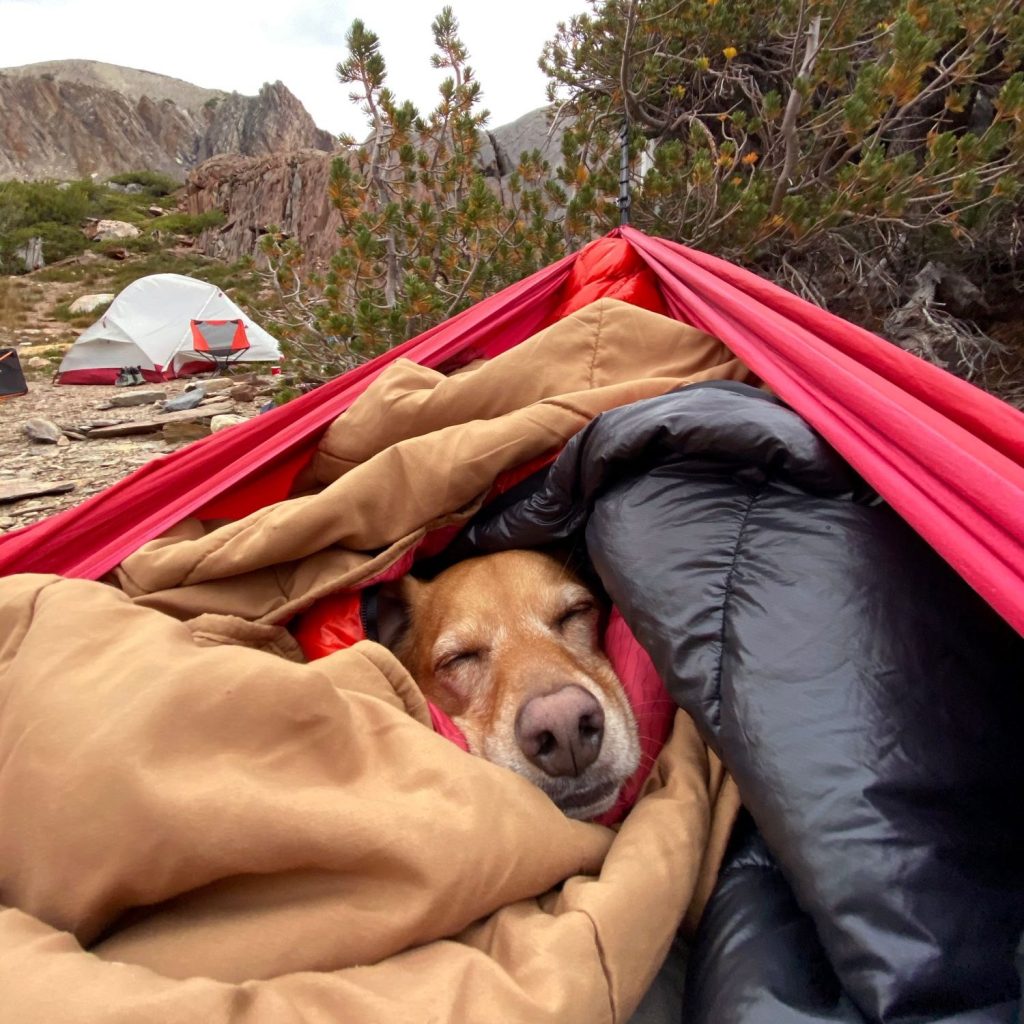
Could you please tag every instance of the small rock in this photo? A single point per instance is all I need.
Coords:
(106, 229)
(63, 441)
(75, 435)
(215, 385)
(125, 429)
(186, 400)
(225, 421)
(173, 432)
(7, 522)
(242, 393)
(155, 211)
(37, 363)
(42, 431)
(87, 303)
(152, 426)
(116, 254)
(18, 490)
(131, 398)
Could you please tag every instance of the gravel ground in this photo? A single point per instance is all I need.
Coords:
(91, 464)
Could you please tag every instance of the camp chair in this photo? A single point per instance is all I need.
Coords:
(222, 342)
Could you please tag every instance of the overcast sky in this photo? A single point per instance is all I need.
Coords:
(226, 44)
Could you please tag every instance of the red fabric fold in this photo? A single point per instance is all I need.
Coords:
(946, 455)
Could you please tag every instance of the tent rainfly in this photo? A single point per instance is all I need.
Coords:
(149, 325)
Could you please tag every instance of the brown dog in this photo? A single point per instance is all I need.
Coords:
(507, 645)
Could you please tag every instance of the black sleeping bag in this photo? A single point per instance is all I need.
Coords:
(867, 702)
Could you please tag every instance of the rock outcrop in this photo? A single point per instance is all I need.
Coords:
(73, 119)
(284, 190)
(289, 190)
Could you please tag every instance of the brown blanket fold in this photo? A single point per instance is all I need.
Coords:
(199, 826)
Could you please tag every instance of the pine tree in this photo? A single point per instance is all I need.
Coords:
(424, 233)
(800, 136)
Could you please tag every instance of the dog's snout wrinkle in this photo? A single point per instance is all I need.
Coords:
(561, 732)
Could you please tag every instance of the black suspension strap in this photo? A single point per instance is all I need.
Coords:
(625, 199)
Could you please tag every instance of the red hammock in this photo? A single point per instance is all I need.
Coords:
(947, 456)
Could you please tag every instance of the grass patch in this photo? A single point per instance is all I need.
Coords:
(73, 272)
(143, 244)
(187, 223)
(63, 312)
(15, 302)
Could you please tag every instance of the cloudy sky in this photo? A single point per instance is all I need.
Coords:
(226, 44)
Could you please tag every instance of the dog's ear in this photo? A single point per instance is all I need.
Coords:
(396, 604)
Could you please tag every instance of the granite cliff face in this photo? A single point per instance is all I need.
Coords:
(73, 119)
(289, 190)
(286, 190)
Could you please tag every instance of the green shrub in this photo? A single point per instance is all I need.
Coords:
(59, 242)
(142, 244)
(24, 203)
(187, 223)
(844, 137)
(154, 183)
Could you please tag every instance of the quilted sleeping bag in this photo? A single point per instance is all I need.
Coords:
(866, 701)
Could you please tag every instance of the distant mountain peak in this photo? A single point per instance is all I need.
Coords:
(76, 118)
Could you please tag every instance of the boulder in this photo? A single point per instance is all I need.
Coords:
(106, 229)
(226, 420)
(42, 431)
(87, 303)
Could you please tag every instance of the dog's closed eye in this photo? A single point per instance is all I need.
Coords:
(457, 659)
(575, 613)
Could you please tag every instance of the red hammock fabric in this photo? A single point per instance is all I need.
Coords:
(947, 456)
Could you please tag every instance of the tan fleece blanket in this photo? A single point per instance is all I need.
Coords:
(199, 826)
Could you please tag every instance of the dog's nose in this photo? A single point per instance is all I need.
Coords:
(561, 732)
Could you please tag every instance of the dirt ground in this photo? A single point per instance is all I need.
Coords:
(89, 464)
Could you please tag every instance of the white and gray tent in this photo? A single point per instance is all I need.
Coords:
(149, 325)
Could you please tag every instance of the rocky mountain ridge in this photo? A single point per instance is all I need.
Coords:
(289, 190)
(75, 119)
